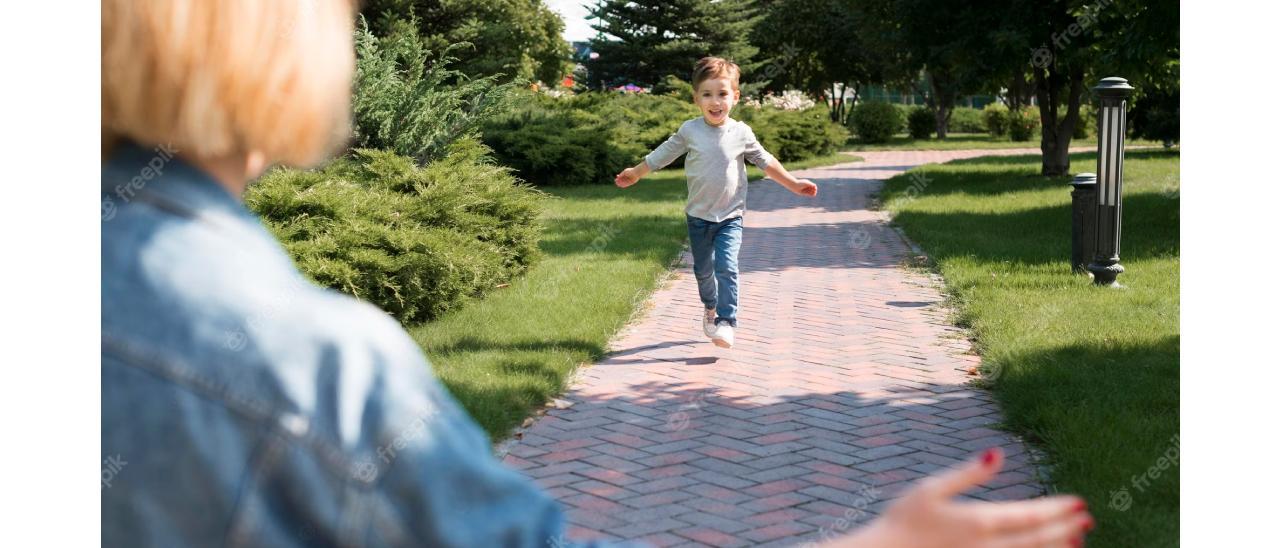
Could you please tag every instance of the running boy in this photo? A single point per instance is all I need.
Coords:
(717, 177)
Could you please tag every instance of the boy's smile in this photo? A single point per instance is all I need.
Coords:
(716, 98)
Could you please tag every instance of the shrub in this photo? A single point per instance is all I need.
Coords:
(673, 86)
(1023, 123)
(875, 121)
(583, 139)
(1156, 116)
(561, 147)
(645, 119)
(995, 117)
(413, 104)
(590, 137)
(794, 134)
(905, 109)
(415, 241)
(966, 120)
(921, 123)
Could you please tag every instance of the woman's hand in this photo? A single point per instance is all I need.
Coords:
(805, 187)
(928, 516)
(626, 178)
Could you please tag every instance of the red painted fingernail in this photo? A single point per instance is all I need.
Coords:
(1088, 523)
(1079, 505)
(1077, 542)
(989, 457)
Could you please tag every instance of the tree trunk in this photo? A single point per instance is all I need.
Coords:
(941, 119)
(835, 104)
(1019, 95)
(1055, 136)
(857, 93)
(944, 101)
(844, 106)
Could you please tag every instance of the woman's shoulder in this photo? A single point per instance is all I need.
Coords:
(192, 302)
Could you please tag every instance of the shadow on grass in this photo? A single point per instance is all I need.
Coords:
(1041, 235)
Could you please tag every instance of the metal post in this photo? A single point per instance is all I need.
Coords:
(1084, 220)
(1112, 95)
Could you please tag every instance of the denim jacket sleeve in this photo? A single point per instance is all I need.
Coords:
(244, 406)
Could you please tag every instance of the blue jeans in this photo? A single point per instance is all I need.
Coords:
(715, 264)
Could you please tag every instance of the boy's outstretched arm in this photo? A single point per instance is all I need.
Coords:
(631, 175)
(780, 175)
(675, 146)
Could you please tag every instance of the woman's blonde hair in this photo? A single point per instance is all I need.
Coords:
(219, 77)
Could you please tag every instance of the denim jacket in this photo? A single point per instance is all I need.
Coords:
(244, 406)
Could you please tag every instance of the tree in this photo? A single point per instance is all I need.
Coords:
(1073, 43)
(945, 41)
(516, 39)
(817, 46)
(413, 104)
(641, 42)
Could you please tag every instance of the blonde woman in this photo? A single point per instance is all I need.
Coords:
(242, 405)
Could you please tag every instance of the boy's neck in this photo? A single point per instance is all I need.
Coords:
(721, 124)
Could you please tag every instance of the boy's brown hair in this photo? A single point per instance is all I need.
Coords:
(715, 67)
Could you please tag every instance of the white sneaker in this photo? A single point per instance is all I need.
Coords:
(723, 336)
(709, 322)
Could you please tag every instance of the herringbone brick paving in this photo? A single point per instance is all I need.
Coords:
(846, 383)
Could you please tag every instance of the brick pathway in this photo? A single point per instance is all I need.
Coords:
(847, 382)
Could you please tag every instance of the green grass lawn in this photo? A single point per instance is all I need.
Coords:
(1089, 374)
(970, 141)
(605, 251)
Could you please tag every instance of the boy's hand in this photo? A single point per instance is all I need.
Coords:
(805, 187)
(626, 178)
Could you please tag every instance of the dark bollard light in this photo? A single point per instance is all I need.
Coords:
(1084, 220)
(1112, 95)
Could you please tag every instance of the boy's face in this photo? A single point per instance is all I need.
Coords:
(716, 97)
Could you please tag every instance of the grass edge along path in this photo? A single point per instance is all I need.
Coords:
(605, 251)
(974, 141)
(1088, 374)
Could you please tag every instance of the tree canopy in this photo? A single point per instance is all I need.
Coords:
(641, 42)
(517, 39)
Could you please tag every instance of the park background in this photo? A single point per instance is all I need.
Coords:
(476, 202)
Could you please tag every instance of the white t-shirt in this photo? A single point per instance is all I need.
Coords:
(715, 169)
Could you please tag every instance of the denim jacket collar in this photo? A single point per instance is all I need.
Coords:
(159, 177)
